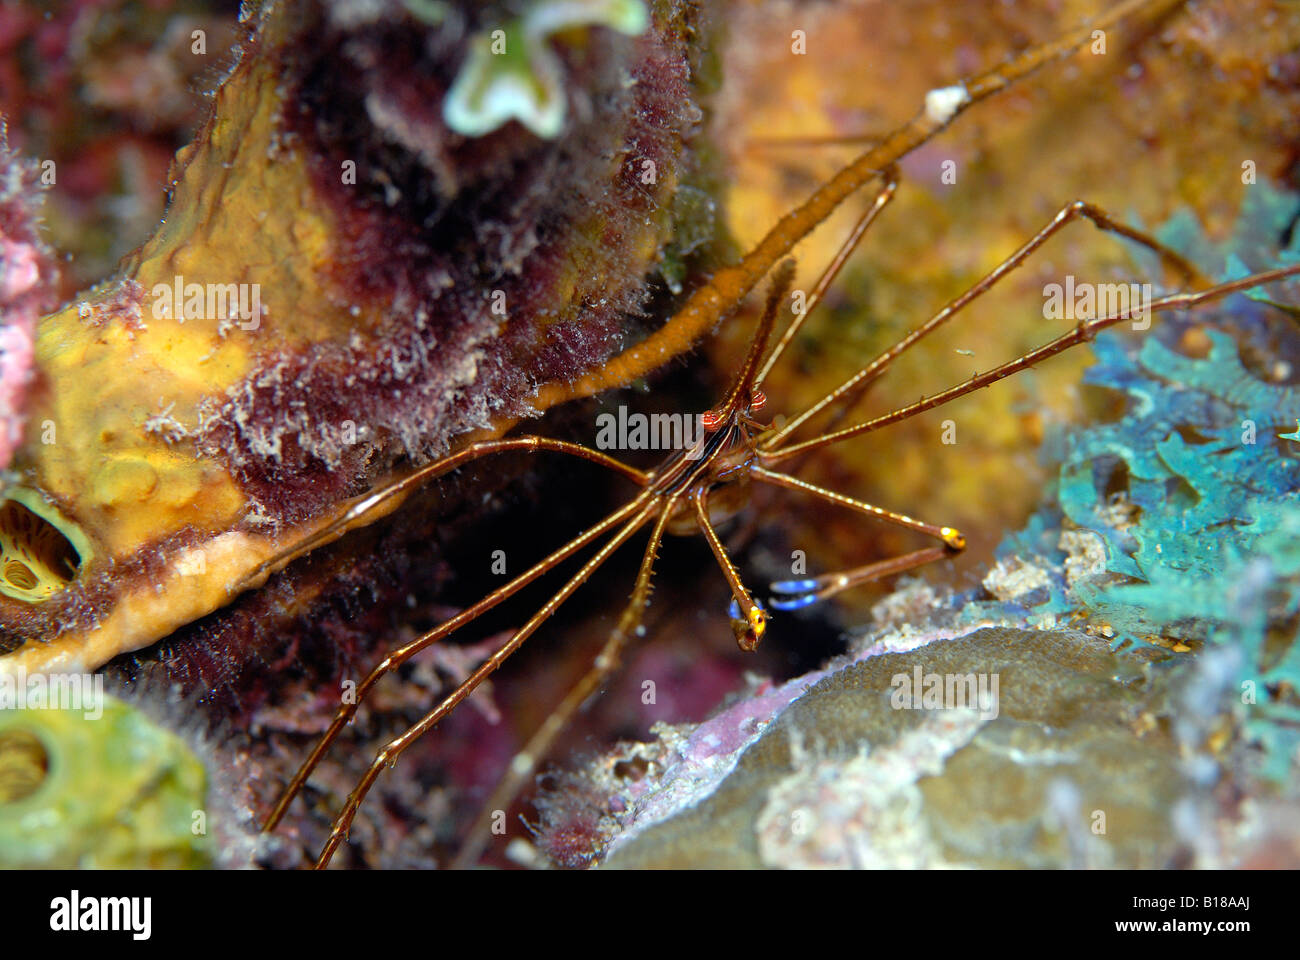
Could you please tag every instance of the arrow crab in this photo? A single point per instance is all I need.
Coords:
(174, 513)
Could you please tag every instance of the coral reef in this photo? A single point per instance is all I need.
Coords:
(342, 287)
(382, 244)
(1190, 498)
(1125, 677)
(413, 284)
(1163, 121)
(843, 778)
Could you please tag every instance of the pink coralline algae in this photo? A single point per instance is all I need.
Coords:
(27, 279)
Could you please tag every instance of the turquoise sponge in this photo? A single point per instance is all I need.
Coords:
(1206, 547)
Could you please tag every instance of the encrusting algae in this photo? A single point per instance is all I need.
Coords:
(146, 807)
(341, 288)
(381, 246)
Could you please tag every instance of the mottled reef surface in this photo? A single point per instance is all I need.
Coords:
(1133, 584)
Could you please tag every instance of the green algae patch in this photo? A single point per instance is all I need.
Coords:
(112, 791)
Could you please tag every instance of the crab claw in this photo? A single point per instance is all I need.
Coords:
(796, 594)
(750, 628)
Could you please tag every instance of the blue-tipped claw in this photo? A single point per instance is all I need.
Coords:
(794, 603)
(793, 586)
(800, 594)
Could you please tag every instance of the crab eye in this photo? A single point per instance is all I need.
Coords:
(710, 420)
(758, 401)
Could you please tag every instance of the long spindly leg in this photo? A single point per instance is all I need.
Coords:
(399, 656)
(794, 594)
(539, 745)
(750, 626)
(719, 298)
(394, 748)
(883, 196)
(1083, 332)
(373, 505)
(951, 537)
(800, 593)
(847, 393)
